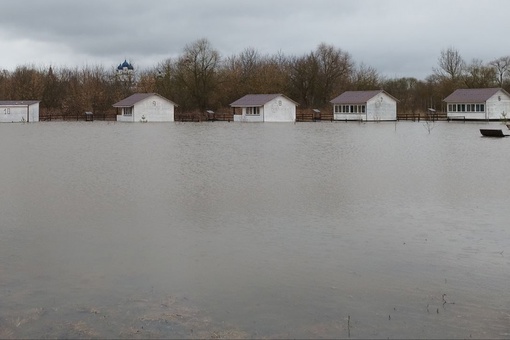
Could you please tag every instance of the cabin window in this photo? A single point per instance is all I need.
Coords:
(253, 111)
(350, 108)
(354, 109)
(466, 107)
(359, 109)
(128, 111)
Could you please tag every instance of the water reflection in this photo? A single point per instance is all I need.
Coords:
(253, 230)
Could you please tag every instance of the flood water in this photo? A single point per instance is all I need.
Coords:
(235, 230)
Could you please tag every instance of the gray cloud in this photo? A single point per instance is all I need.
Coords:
(397, 37)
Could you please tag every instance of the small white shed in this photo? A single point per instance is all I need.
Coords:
(145, 107)
(265, 108)
(478, 104)
(375, 106)
(16, 111)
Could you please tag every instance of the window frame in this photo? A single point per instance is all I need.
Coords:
(350, 108)
(252, 111)
(467, 107)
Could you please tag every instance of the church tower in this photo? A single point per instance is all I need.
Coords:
(126, 71)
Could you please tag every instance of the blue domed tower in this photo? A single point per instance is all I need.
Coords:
(125, 67)
(125, 70)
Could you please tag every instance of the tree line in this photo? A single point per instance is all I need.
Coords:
(200, 79)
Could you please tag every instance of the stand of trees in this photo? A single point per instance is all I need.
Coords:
(200, 79)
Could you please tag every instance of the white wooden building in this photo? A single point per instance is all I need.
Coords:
(145, 107)
(15, 111)
(374, 106)
(478, 104)
(264, 108)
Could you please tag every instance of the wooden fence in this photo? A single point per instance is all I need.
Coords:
(52, 116)
(418, 116)
(306, 115)
(203, 117)
(302, 115)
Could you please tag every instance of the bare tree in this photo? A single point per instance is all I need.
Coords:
(26, 83)
(242, 73)
(303, 77)
(451, 65)
(334, 67)
(51, 98)
(72, 97)
(273, 73)
(405, 89)
(365, 78)
(479, 75)
(197, 71)
(249, 61)
(317, 76)
(165, 78)
(92, 83)
(502, 69)
(147, 80)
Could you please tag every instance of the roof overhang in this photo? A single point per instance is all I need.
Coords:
(18, 102)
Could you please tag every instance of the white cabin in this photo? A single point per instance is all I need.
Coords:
(265, 108)
(19, 111)
(145, 107)
(478, 104)
(374, 106)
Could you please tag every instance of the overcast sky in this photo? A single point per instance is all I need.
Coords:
(399, 38)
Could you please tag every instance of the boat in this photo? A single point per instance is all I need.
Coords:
(492, 133)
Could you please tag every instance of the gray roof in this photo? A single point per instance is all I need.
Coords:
(357, 97)
(137, 97)
(19, 102)
(472, 95)
(253, 100)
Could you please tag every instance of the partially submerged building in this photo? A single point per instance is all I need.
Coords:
(16, 111)
(145, 107)
(264, 108)
(478, 104)
(375, 105)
